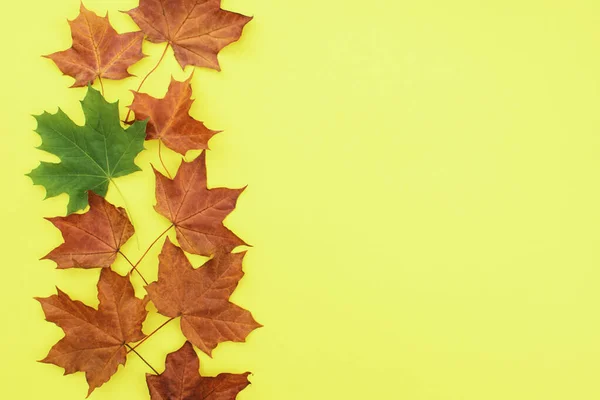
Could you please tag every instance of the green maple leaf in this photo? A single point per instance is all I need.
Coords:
(91, 155)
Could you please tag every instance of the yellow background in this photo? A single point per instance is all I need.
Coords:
(423, 198)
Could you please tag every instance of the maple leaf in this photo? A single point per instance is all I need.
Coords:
(197, 29)
(92, 239)
(182, 381)
(196, 211)
(201, 297)
(95, 340)
(169, 119)
(98, 51)
(91, 155)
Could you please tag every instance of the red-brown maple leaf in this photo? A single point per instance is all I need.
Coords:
(197, 29)
(196, 211)
(92, 239)
(169, 119)
(95, 340)
(98, 50)
(201, 297)
(182, 381)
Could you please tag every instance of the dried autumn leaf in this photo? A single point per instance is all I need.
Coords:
(201, 297)
(182, 380)
(95, 340)
(169, 119)
(93, 239)
(196, 211)
(197, 29)
(98, 51)
(91, 155)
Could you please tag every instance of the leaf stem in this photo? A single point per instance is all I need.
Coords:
(127, 208)
(133, 267)
(161, 159)
(146, 77)
(143, 359)
(150, 334)
(101, 85)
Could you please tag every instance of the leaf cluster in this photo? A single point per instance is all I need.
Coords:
(98, 340)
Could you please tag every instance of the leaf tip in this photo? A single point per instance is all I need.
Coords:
(189, 79)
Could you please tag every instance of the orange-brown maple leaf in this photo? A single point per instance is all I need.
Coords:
(197, 29)
(182, 381)
(92, 239)
(98, 50)
(196, 211)
(201, 297)
(95, 340)
(169, 119)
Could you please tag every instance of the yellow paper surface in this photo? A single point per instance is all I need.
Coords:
(423, 198)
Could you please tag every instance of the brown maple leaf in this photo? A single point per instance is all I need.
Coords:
(98, 50)
(95, 340)
(93, 239)
(196, 211)
(201, 297)
(169, 118)
(197, 29)
(182, 381)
